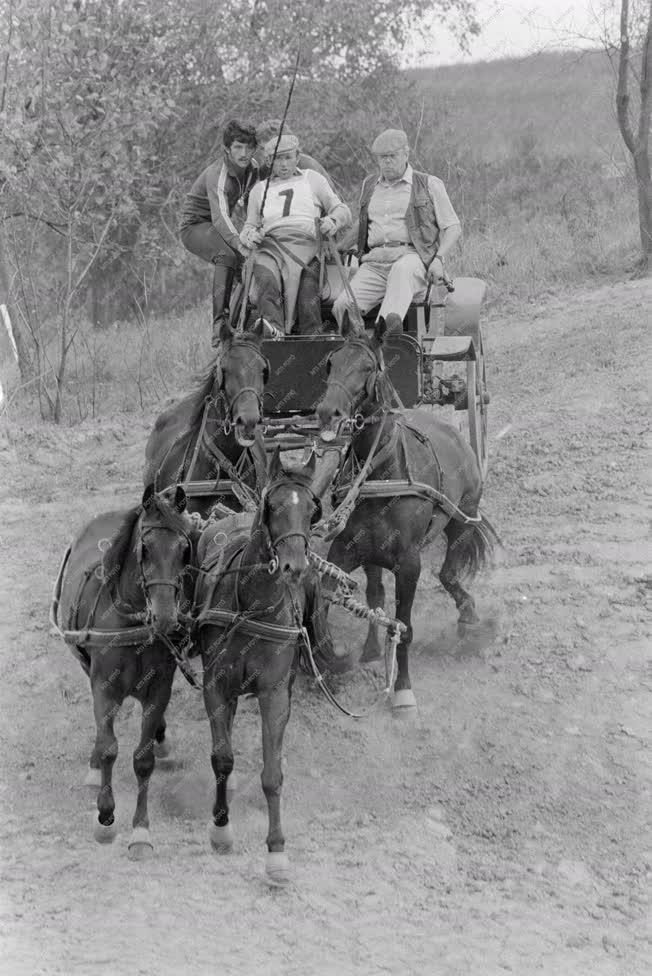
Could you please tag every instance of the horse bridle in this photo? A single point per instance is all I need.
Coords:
(227, 420)
(378, 367)
(162, 581)
(272, 544)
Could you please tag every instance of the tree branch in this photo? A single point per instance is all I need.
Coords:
(622, 94)
(31, 216)
(93, 256)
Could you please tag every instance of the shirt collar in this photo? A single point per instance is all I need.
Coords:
(406, 178)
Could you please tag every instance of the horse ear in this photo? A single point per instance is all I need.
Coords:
(348, 328)
(275, 466)
(148, 496)
(380, 329)
(257, 329)
(226, 332)
(180, 500)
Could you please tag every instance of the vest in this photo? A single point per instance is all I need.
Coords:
(420, 217)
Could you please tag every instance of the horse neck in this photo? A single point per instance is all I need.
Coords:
(363, 440)
(258, 589)
(126, 590)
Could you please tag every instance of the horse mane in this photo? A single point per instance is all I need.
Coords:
(196, 398)
(115, 554)
(383, 390)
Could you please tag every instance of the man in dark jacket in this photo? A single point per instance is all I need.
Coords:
(215, 210)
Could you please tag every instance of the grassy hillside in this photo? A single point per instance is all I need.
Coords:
(564, 101)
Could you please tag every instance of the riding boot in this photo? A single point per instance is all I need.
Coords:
(270, 302)
(309, 320)
(222, 284)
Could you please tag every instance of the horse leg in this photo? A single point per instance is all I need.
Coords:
(375, 598)
(162, 746)
(274, 713)
(449, 573)
(220, 715)
(144, 759)
(105, 707)
(406, 575)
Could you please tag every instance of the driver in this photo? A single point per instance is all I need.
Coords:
(286, 236)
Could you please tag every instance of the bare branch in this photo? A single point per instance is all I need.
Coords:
(91, 260)
(31, 216)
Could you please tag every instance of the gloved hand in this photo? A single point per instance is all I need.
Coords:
(328, 226)
(435, 272)
(250, 236)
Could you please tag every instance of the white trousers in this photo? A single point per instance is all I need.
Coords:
(395, 285)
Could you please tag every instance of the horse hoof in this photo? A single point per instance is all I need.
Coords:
(404, 700)
(277, 869)
(231, 787)
(221, 838)
(105, 833)
(466, 628)
(162, 750)
(93, 778)
(140, 846)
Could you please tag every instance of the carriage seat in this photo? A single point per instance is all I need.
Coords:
(451, 314)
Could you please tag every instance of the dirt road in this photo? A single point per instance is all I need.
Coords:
(506, 830)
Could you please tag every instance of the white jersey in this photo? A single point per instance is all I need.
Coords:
(291, 203)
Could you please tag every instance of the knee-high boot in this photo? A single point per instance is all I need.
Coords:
(222, 284)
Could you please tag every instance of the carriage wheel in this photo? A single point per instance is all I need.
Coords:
(476, 379)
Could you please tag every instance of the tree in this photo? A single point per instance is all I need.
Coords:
(637, 136)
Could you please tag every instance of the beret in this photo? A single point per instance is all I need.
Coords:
(389, 141)
(285, 144)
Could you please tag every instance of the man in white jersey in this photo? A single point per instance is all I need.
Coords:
(300, 206)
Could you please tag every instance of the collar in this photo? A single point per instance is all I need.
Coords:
(240, 174)
(297, 172)
(406, 178)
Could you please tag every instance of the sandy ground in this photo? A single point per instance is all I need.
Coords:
(506, 830)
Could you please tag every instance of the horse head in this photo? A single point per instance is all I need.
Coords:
(288, 509)
(353, 374)
(164, 536)
(240, 375)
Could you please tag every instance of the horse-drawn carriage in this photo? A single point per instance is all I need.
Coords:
(140, 586)
(438, 361)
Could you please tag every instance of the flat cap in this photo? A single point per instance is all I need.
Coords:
(285, 144)
(389, 141)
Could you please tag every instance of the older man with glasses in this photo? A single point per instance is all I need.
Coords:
(407, 227)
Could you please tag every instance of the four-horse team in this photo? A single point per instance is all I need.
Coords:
(214, 564)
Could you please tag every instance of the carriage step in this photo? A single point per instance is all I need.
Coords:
(451, 348)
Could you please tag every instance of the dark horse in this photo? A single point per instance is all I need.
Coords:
(116, 601)
(214, 433)
(254, 593)
(390, 524)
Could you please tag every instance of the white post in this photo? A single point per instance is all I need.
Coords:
(4, 311)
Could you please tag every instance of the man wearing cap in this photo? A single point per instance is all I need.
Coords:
(299, 207)
(266, 132)
(214, 212)
(407, 227)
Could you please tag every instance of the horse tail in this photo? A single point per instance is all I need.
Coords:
(471, 547)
